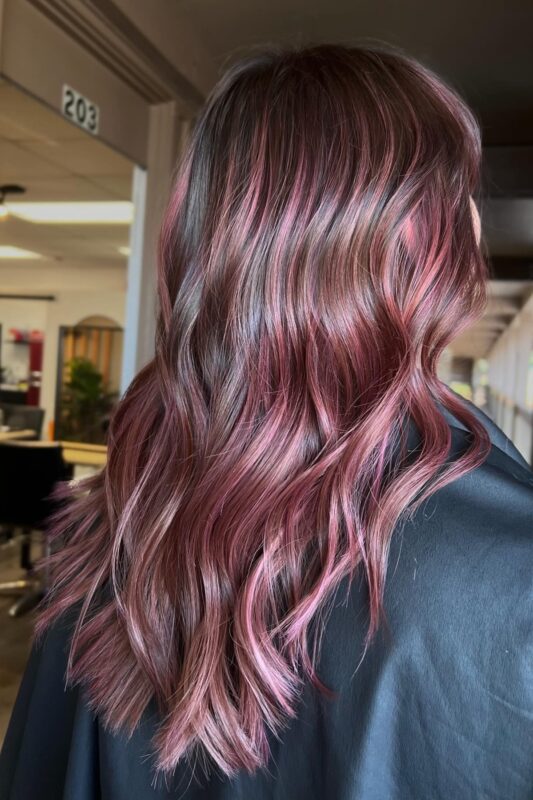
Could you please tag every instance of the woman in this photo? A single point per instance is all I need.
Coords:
(306, 569)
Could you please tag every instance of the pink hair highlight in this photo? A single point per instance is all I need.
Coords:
(317, 256)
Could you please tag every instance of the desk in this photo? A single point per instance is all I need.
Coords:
(90, 455)
(11, 436)
(76, 453)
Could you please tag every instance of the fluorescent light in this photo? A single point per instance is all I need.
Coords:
(124, 251)
(9, 251)
(101, 213)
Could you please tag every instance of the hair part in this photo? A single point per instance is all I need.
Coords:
(317, 256)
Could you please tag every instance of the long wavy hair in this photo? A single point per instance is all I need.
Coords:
(317, 255)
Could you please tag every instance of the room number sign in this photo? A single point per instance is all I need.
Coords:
(80, 110)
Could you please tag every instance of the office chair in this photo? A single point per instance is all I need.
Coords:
(29, 472)
(13, 397)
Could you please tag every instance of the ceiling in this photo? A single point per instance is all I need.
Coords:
(484, 47)
(506, 298)
(54, 160)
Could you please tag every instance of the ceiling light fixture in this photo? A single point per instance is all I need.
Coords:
(10, 251)
(76, 213)
(124, 251)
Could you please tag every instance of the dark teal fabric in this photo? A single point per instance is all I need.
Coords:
(441, 707)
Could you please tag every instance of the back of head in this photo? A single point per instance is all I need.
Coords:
(317, 256)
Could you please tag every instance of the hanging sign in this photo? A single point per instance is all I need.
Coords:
(79, 110)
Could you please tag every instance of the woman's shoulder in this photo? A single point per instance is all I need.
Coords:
(493, 502)
(464, 562)
(501, 446)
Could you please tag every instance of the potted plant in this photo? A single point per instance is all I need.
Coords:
(86, 403)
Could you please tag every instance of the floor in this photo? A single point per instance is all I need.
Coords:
(15, 633)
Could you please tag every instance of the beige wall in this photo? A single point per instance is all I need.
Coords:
(46, 277)
(167, 27)
(125, 57)
(40, 57)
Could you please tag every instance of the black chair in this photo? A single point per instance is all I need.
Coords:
(22, 417)
(13, 396)
(29, 471)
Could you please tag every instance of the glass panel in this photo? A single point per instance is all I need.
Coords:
(88, 382)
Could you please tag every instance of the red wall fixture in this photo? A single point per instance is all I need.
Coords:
(35, 370)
